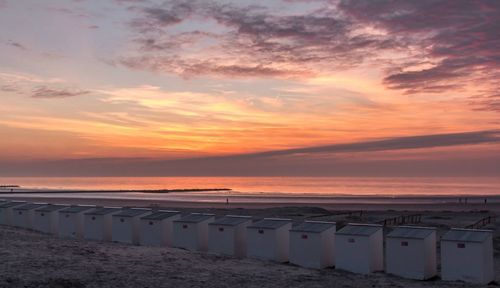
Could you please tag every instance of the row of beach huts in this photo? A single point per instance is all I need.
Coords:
(410, 251)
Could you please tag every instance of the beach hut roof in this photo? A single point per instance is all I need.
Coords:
(313, 226)
(76, 209)
(30, 206)
(467, 235)
(411, 232)
(12, 204)
(355, 229)
(131, 212)
(270, 223)
(160, 215)
(103, 211)
(50, 208)
(231, 220)
(195, 218)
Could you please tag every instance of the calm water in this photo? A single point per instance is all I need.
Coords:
(284, 186)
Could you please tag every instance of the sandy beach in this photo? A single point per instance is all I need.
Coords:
(256, 201)
(35, 260)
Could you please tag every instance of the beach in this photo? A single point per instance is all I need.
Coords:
(237, 199)
(35, 260)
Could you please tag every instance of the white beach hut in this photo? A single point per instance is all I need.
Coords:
(191, 231)
(359, 248)
(126, 225)
(24, 215)
(71, 220)
(156, 229)
(228, 235)
(267, 239)
(97, 223)
(46, 219)
(467, 255)
(411, 252)
(7, 211)
(311, 244)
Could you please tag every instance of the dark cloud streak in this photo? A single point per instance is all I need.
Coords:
(398, 143)
(279, 163)
(17, 45)
(44, 92)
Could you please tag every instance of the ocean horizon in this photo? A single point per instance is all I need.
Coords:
(268, 186)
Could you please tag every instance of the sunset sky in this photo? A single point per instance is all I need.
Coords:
(282, 87)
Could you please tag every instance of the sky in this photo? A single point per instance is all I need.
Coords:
(242, 88)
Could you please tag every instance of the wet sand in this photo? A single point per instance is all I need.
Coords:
(337, 203)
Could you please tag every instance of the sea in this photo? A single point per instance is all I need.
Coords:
(267, 189)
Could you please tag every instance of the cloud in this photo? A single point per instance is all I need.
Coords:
(460, 37)
(275, 44)
(17, 45)
(441, 46)
(21, 83)
(490, 105)
(435, 79)
(44, 92)
(208, 67)
(23, 78)
(487, 101)
(130, 1)
(68, 12)
(166, 17)
(9, 88)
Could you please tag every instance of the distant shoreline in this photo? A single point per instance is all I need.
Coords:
(66, 191)
(295, 195)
